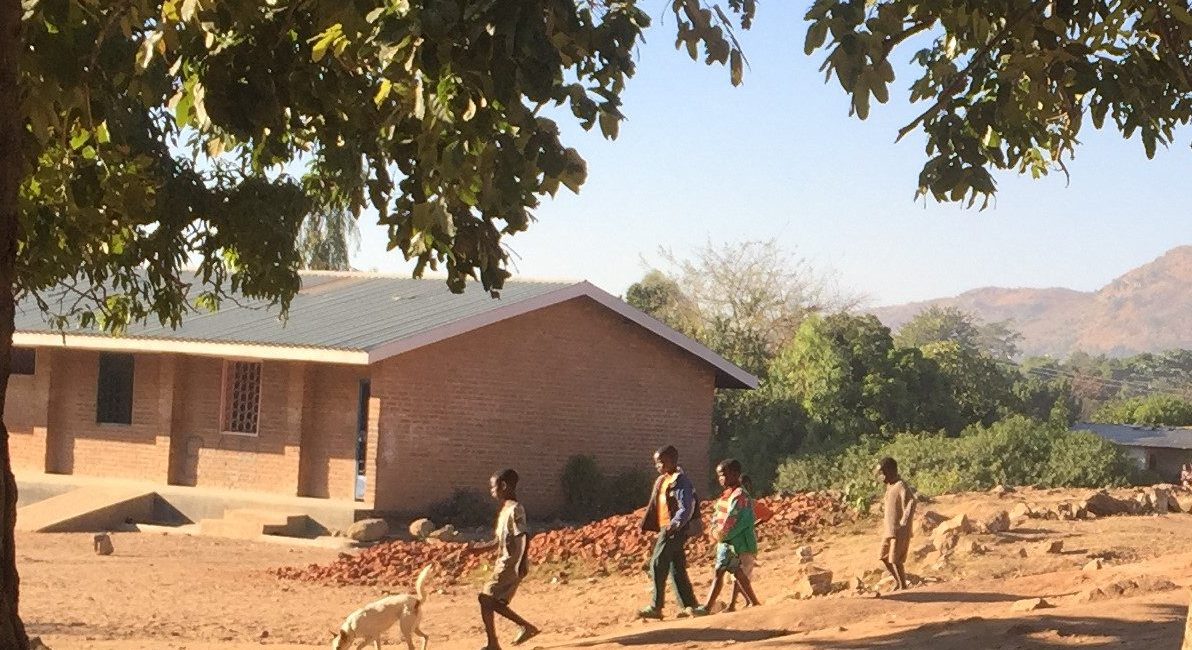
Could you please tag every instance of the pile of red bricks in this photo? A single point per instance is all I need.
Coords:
(616, 544)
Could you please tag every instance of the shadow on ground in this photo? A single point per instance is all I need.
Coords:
(1163, 631)
(689, 636)
(949, 597)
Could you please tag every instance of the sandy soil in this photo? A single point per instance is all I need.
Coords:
(197, 593)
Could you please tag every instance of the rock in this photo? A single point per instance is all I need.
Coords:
(1103, 505)
(367, 530)
(1158, 499)
(1022, 552)
(422, 528)
(972, 547)
(998, 523)
(447, 533)
(1000, 490)
(960, 524)
(930, 520)
(924, 550)
(946, 542)
(1049, 547)
(102, 544)
(805, 553)
(815, 581)
(1094, 565)
(1029, 605)
(1179, 500)
(859, 584)
(35, 643)
(1020, 511)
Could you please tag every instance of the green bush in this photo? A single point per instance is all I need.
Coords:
(1014, 451)
(465, 508)
(589, 494)
(1155, 410)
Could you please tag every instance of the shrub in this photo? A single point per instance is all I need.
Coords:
(1014, 451)
(589, 494)
(465, 508)
(1155, 410)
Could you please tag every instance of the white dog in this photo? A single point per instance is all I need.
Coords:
(367, 624)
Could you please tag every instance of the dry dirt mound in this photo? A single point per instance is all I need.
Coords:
(616, 544)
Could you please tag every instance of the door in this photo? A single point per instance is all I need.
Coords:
(362, 437)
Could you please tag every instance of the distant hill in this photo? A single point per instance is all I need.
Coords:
(1148, 309)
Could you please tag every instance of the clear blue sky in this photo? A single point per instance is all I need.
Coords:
(779, 157)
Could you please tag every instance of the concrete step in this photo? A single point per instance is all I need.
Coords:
(87, 509)
(245, 523)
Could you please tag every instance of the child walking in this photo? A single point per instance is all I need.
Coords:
(733, 530)
(512, 564)
(761, 514)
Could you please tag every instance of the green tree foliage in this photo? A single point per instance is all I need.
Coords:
(140, 136)
(840, 368)
(1008, 84)
(937, 324)
(1046, 399)
(660, 296)
(1098, 380)
(1014, 451)
(979, 385)
(1155, 410)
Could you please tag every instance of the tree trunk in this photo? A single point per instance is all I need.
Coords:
(12, 631)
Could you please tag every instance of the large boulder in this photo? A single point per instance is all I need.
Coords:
(367, 530)
(1103, 505)
(421, 528)
(959, 524)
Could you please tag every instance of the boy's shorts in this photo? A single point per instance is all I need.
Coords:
(726, 558)
(895, 550)
(502, 586)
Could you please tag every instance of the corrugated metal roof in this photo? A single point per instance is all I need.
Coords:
(1141, 436)
(332, 311)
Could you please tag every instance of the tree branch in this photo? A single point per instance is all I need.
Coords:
(948, 93)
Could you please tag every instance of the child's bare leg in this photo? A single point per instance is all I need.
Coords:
(746, 587)
(486, 615)
(732, 601)
(717, 583)
(893, 572)
(901, 569)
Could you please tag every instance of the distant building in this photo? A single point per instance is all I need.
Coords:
(1162, 450)
(385, 394)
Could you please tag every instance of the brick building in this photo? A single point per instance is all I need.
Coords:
(382, 392)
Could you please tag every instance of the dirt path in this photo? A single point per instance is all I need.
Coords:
(209, 594)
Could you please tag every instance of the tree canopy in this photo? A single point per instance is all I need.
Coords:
(1011, 84)
(937, 324)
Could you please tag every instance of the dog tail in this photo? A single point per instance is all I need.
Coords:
(420, 583)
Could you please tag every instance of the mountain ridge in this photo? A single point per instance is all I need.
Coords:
(1146, 309)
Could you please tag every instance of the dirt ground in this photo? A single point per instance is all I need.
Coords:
(197, 593)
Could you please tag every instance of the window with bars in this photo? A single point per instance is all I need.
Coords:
(113, 395)
(241, 396)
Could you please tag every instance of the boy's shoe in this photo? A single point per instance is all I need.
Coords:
(525, 634)
(650, 613)
(692, 612)
(699, 611)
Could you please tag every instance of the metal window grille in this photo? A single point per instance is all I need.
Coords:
(242, 396)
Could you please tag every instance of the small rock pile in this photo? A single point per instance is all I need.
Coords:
(615, 544)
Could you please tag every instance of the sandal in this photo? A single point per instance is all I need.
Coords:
(525, 634)
(650, 613)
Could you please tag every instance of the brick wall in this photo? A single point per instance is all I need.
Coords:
(77, 444)
(25, 409)
(528, 393)
(206, 456)
(329, 424)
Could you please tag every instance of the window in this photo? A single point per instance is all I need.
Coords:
(24, 361)
(113, 400)
(241, 396)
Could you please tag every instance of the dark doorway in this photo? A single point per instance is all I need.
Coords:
(362, 437)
